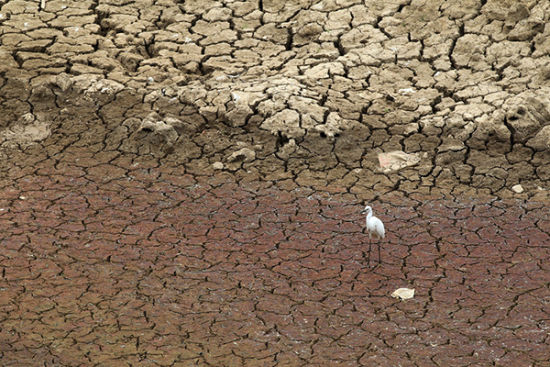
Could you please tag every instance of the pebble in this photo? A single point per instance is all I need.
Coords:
(517, 189)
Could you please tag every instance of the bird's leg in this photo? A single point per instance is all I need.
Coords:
(363, 253)
(368, 259)
(379, 258)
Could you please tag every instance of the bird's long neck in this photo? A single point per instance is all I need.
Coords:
(369, 214)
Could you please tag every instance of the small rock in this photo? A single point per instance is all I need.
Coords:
(406, 90)
(27, 118)
(244, 154)
(403, 293)
(517, 189)
(217, 165)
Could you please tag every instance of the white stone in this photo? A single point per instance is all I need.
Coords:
(403, 293)
(517, 189)
(406, 90)
(217, 165)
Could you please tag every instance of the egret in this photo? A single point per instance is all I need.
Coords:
(374, 227)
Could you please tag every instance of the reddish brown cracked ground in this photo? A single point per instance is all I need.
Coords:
(181, 182)
(153, 267)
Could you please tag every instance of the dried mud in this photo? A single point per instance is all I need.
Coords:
(316, 90)
(181, 178)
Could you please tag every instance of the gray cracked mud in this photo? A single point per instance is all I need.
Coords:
(313, 89)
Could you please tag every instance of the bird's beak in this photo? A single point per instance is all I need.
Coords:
(363, 211)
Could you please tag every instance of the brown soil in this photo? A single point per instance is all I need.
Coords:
(181, 182)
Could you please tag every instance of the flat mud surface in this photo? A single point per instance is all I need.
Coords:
(156, 267)
(181, 182)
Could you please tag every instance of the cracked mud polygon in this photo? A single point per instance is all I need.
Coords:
(182, 181)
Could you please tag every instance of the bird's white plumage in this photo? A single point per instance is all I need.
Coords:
(374, 225)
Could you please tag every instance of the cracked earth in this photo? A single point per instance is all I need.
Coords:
(181, 182)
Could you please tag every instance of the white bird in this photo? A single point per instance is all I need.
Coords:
(374, 227)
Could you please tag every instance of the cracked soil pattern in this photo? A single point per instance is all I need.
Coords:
(182, 182)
